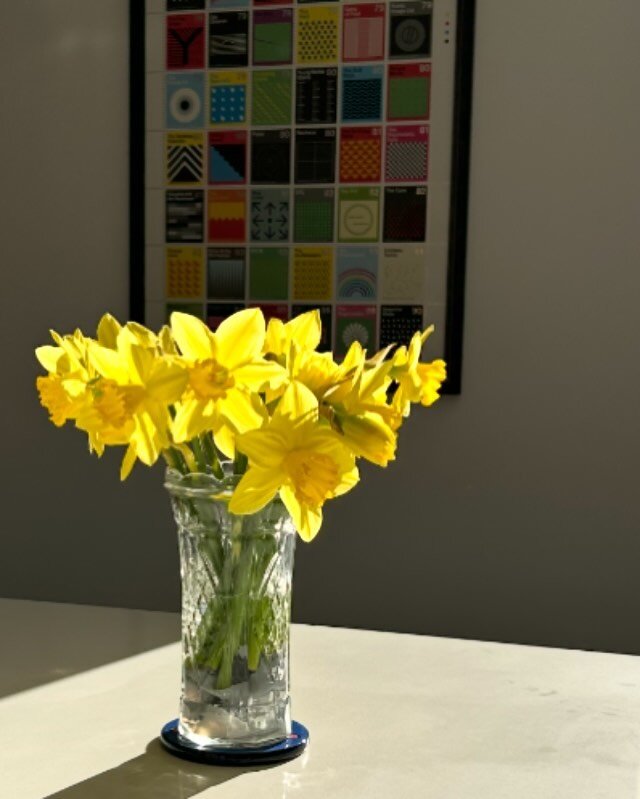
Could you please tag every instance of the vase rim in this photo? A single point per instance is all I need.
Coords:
(201, 484)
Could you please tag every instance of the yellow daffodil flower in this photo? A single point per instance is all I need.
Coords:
(130, 398)
(297, 455)
(417, 382)
(225, 371)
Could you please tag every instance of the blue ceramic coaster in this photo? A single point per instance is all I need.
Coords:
(292, 746)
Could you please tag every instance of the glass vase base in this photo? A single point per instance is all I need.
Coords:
(292, 746)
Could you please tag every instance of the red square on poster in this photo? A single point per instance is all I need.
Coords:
(363, 32)
(185, 41)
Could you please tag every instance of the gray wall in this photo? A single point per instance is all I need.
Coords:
(512, 513)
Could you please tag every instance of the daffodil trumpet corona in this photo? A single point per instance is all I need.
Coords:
(293, 421)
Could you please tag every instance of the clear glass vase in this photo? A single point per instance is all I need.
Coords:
(236, 608)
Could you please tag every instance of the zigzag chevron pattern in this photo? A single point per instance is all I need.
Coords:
(185, 163)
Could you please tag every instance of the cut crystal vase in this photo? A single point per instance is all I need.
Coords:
(236, 606)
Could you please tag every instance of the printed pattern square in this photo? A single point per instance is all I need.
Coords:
(362, 94)
(228, 97)
(313, 215)
(405, 214)
(363, 32)
(184, 272)
(270, 215)
(271, 101)
(229, 39)
(317, 35)
(225, 273)
(227, 211)
(360, 155)
(406, 154)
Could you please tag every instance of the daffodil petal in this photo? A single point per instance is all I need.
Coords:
(256, 488)
(109, 363)
(298, 402)
(192, 418)
(108, 329)
(225, 440)
(307, 520)
(240, 337)
(49, 357)
(238, 409)
(166, 381)
(145, 439)
(305, 330)
(128, 462)
(192, 336)
(348, 481)
(255, 376)
(265, 448)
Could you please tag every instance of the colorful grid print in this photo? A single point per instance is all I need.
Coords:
(360, 154)
(227, 97)
(270, 156)
(356, 273)
(227, 215)
(226, 273)
(184, 158)
(313, 219)
(316, 96)
(184, 215)
(185, 41)
(355, 323)
(273, 36)
(405, 213)
(312, 273)
(184, 272)
(399, 322)
(269, 273)
(408, 91)
(228, 157)
(229, 39)
(362, 94)
(406, 153)
(185, 100)
(271, 97)
(363, 32)
(296, 162)
(315, 155)
(270, 215)
(410, 29)
(403, 273)
(317, 38)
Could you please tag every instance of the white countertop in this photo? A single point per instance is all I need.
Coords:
(391, 716)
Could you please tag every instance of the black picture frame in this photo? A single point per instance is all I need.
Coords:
(460, 163)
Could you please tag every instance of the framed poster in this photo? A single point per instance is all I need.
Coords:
(296, 154)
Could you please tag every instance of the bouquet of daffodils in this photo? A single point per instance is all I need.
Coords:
(249, 418)
(292, 420)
